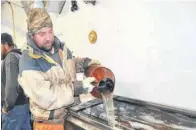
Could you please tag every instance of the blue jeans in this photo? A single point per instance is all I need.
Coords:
(17, 118)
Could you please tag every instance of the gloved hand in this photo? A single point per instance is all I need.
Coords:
(94, 62)
(87, 83)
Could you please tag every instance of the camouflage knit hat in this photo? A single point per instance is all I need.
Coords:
(37, 19)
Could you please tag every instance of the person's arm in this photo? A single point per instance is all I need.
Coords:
(84, 63)
(78, 88)
(81, 64)
(11, 86)
(40, 90)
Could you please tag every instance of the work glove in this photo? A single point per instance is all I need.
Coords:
(92, 62)
(87, 84)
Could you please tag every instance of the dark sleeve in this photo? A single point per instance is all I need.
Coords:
(11, 85)
(78, 86)
(81, 63)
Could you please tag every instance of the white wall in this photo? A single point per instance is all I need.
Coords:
(150, 46)
(19, 20)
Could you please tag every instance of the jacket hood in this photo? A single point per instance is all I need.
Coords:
(16, 50)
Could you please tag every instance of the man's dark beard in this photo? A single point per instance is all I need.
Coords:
(46, 49)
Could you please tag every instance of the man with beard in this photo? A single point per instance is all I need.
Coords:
(48, 73)
(15, 107)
